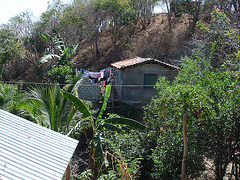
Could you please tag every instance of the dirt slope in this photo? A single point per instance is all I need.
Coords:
(155, 41)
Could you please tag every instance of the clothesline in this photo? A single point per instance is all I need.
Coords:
(101, 77)
(104, 73)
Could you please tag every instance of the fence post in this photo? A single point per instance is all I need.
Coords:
(68, 171)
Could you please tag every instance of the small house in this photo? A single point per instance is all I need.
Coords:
(135, 78)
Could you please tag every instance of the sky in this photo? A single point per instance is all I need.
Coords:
(11, 8)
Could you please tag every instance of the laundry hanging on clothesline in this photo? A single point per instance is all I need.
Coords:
(102, 74)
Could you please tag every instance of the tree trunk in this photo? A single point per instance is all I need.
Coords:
(185, 146)
(195, 16)
(169, 16)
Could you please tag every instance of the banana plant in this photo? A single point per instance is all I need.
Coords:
(97, 124)
(65, 52)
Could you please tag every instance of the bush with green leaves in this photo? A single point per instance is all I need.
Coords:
(164, 116)
(61, 74)
(129, 146)
(220, 32)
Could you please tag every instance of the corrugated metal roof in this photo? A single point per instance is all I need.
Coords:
(30, 151)
(137, 60)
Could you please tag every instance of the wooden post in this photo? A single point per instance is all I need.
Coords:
(68, 171)
(185, 146)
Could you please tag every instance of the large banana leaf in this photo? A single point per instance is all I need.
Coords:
(104, 106)
(47, 58)
(83, 124)
(59, 42)
(78, 103)
(70, 89)
(125, 121)
(72, 49)
(46, 36)
(99, 150)
(112, 127)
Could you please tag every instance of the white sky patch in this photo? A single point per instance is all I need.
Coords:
(160, 9)
(11, 8)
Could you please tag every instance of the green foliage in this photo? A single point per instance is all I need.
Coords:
(61, 74)
(164, 115)
(210, 99)
(97, 125)
(9, 97)
(10, 47)
(130, 146)
(100, 122)
(120, 12)
(65, 53)
(221, 33)
(85, 175)
(49, 108)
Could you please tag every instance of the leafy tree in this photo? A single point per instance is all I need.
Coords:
(193, 8)
(71, 24)
(120, 13)
(22, 25)
(144, 9)
(50, 18)
(208, 98)
(11, 48)
(221, 33)
(173, 109)
(94, 20)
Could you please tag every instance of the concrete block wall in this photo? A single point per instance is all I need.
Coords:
(135, 76)
(88, 90)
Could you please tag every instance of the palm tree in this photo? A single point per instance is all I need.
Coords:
(48, 107)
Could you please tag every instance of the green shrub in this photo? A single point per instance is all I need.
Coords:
(61, 74)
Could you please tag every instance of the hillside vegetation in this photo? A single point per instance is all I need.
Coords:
(191, 126)
(106, 31)
(154, 41)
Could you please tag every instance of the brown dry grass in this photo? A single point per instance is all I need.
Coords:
(155, 41)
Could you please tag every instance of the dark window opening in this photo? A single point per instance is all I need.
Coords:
(150, 81)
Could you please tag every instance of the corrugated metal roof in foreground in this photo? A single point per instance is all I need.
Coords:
(30, 151)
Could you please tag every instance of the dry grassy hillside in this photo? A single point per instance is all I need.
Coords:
(154, 41)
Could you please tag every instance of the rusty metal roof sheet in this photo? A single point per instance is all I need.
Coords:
(137, 60)
(30, 151)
